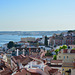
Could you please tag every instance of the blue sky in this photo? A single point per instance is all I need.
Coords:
(37, 15)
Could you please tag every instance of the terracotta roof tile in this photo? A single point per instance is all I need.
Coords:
(72, 51)
(7, 70)
(21, 72)
(23, 59)
(36, 72)
(56, 61)
(53, 71)
(65, 50)
(65, 64)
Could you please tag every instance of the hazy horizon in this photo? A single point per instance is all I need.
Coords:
(29, 30)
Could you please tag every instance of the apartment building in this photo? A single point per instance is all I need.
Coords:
(28, 39)
(67, 55)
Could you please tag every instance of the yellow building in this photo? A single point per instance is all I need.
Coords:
(7, 58)
(66, 68)
(67, 55)
(28, 39)
(73, 71)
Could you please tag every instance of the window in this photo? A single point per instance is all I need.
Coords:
(63, 73)
(64, 57)
(63, 69)
(69, 69)
(67, 57)
(59, 56)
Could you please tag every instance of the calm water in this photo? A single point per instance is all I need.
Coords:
(6, 35)
(6, 38)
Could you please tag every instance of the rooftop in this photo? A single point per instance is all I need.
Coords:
(56, 61)
(67, 51)
(5, 68)
(22, 59)
(65, 64)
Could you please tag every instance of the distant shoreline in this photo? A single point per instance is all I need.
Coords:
(5, 37)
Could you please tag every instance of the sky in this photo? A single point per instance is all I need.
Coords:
(37, 15)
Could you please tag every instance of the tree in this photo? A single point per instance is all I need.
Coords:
(10, 44)
(48, 53)
(46, 42)
(71, 31)
(55, 57)
(60, 48)
(56, 51)
(64, 47)
(74, 42)
(73, 49)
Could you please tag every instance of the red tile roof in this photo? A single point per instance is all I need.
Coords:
(35, 71)
(66, 64)
(22, 42)
(7, 70)
(53, 71)
(74, 65)
(23, 59)
(24, 72)
(56, 61)
(65, 50)
(21, 72)
(47, 71)
(72, 51)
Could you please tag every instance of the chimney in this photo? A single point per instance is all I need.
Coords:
(54, 42)
(58, 52)
(23, 52)
(69, 50)
(18, 63)
(74, 64)
(31, 64)
(17, 52)
(61, 50)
